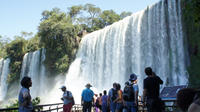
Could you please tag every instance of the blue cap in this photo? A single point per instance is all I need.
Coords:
(133, 77)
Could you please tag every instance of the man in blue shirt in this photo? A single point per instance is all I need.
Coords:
(87, 98)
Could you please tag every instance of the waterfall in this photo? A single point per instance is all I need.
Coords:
(33, 67)
(4, 71)
(150, 38)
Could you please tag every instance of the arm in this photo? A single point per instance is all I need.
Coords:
(145, 91)
(159, 80)
(144, 95)
(26, 98)
(119, 96)
(136, 98)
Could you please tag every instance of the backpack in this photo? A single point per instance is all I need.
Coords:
(128, 93)
(73, 102)
(114, 94)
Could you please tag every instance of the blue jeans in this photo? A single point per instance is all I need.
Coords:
(113, 106)
(129, 107)
(104, 108)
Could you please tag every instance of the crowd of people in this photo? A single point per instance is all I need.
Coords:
(118, 99)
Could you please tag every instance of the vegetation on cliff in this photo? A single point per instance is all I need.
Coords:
(191, 18)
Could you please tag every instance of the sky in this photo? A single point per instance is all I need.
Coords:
(24, 15)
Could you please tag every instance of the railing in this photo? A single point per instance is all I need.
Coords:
(46, 108)
(170, 105)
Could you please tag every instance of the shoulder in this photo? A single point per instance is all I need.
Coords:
(24, 90)
(194, 108)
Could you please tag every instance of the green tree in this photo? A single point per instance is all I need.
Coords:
(108, 17)
(58, 36)
(75, 10)
(125, 14)
(191, 15)
(15, 50)
(93, 13)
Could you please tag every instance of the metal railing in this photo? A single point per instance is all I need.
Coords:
(78, 108)
(46, 108)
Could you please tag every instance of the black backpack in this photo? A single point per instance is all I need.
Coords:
(128, 93)
(114, 94)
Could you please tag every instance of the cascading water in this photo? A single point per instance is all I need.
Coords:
(152, 37)
(4, 71)
(33, 67)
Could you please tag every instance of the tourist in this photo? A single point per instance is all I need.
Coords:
(67, 99)
(119, 99)
(87, 98)
(130, 95)
(133, 80)
(25, 104)
(105, 102)
(151, 91)
(188, 99)
(99, 102)
(112, 95)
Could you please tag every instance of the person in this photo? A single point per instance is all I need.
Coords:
(105, 102)
(133, 80)
(67, 99)
(191, 103)
(87, 98)
(129, 96)
(112, 95)
(99, 102)
(151, 91)
(25, 104)
(119, 99)
(95, 102)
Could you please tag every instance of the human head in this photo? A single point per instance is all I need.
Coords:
(118, 86)
(185, 98)
(26, 82)
(114, 85)
(133, 77)
(63, 88)
(126, 83)
(104, 92)
(148, 71)
(100, 94)
(88, 85)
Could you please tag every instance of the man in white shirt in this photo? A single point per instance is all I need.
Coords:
(67, 99)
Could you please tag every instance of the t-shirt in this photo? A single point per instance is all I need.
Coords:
(152, 85)
(135, 87)
(67, 94)
(87, 95)
(23, 96)
(104, 99)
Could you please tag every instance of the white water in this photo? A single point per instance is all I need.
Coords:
(4, 71)
(152, 37)
(33, 67)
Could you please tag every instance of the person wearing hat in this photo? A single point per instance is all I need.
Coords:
(133, 81)
(131, 94)
(87, 98)
(67, 99)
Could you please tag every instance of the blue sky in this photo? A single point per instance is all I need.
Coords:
(25, 15)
